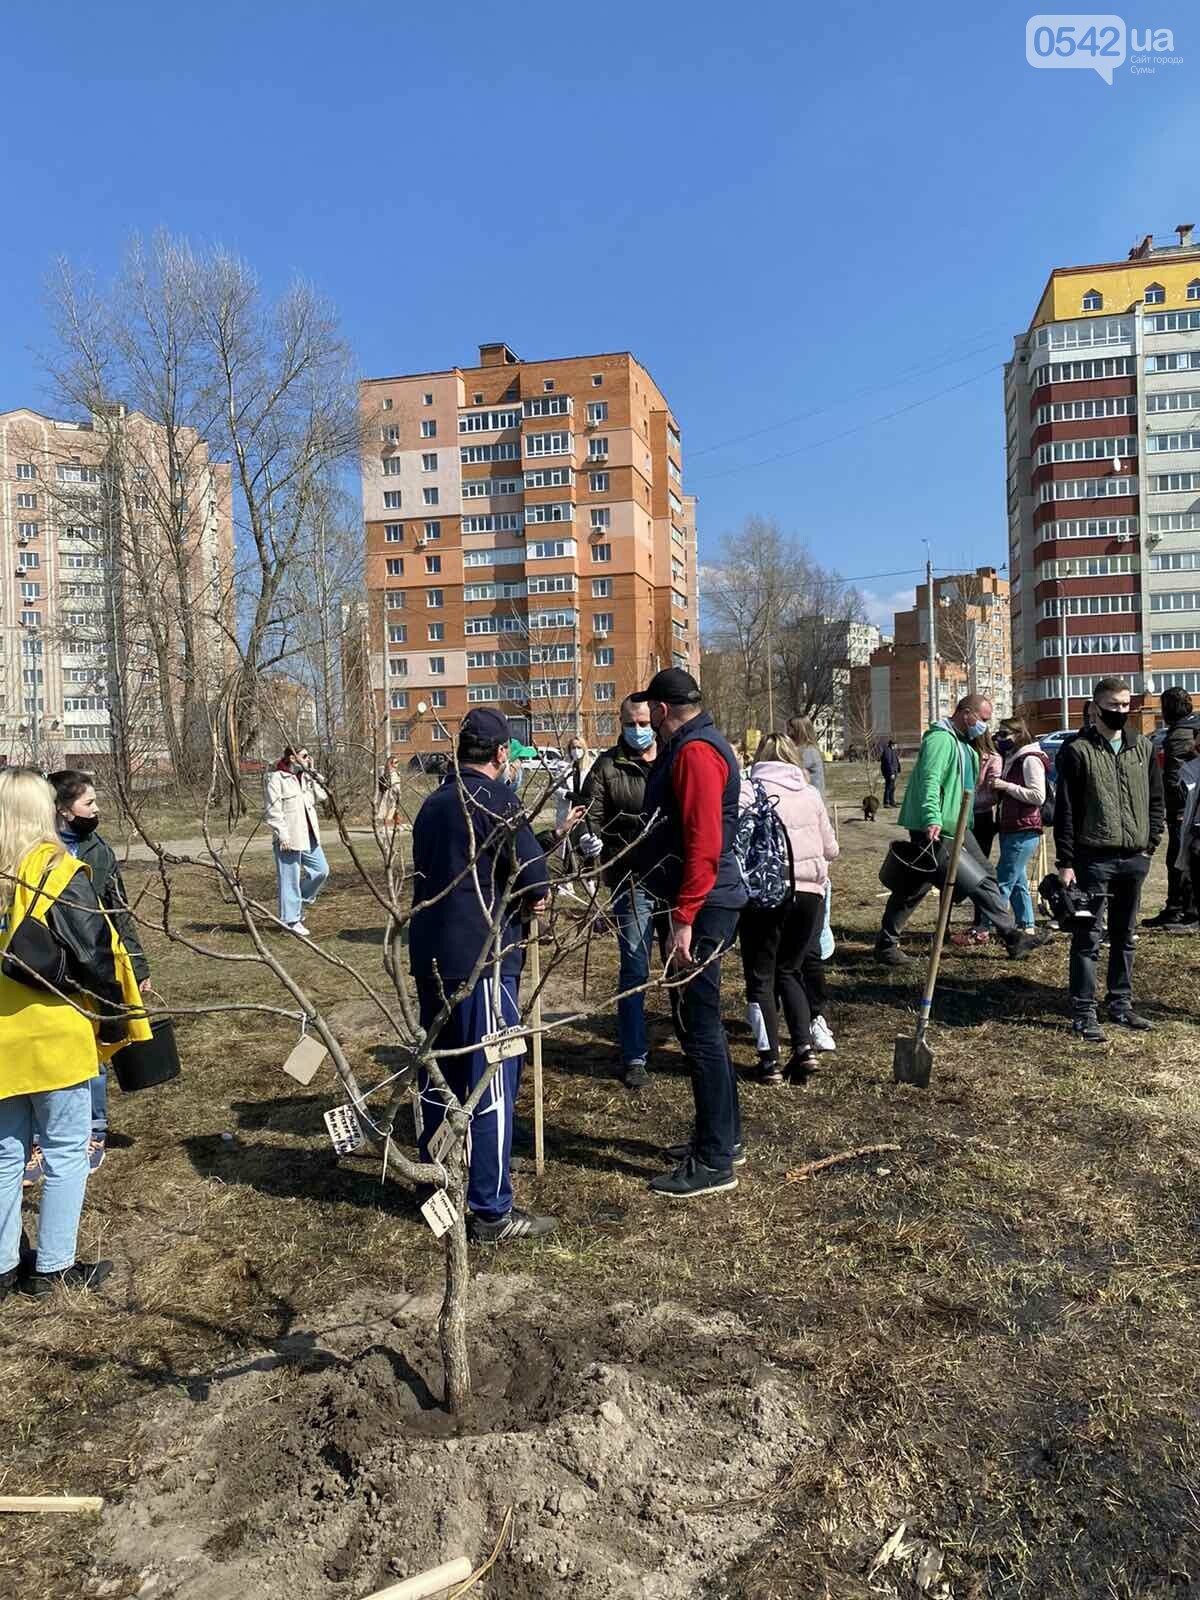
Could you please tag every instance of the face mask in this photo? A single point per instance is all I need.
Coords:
(1004, 743)
(977, 730)
(638, 738)
(1115, 720)
(82, 826)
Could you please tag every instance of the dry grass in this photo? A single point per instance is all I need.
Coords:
(996, 1326)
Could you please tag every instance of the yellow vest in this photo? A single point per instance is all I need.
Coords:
(45, 1041)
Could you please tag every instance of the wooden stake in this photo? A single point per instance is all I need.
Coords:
(801, 1173)
(424, 1584)
(539, 1117)
(51, 1502)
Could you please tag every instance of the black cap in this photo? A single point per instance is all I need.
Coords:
(487, 725)
(673, 686)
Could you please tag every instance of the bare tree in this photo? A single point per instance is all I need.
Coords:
(861, 731)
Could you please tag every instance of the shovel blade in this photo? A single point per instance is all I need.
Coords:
(912, 1061)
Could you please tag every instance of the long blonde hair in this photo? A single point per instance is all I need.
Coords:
(777, 747)
(26, 819)
(801, 732)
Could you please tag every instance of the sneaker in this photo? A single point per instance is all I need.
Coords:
(1019, 943)
(507, 1230)
(8, 1281)
(1168, 917)
(86, 1275)
(1088, 1030)
(634, 1075)
(298, 927)
(96, 1151)
(822, 1035)
(802, 1065)
(891, 955)
(691, 1180)
(768, 1068)
(1127, 1017)
(34, 1168)
(682, 1152)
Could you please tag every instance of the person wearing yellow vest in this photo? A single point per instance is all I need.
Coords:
(51, 1046)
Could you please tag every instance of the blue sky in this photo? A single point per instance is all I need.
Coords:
(781, 211)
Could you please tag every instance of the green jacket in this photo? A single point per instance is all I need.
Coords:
(945, 765)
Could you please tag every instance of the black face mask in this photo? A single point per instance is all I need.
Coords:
(82, 826)
(1115, 720)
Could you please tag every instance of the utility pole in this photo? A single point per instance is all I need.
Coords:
(770, 677)
(933, 694)
(1066, 682)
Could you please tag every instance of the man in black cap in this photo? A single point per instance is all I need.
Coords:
(691, 808)
(477, 868)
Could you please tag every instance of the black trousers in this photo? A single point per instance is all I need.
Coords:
(889, 790)
(774, 947)
(1179, 883)
(903, 902)
(696, 1011)
(1120, 878)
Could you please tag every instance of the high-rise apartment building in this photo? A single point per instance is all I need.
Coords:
(93, 593)
(529, 545)
(1102, 404)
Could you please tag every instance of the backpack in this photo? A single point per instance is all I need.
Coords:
(763, 852)
(1048, 802)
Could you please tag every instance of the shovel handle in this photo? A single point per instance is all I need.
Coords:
(943, 922)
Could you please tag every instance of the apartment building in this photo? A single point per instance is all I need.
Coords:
(83, 505)
(528, 545)
(1102, 411)
(889, 697)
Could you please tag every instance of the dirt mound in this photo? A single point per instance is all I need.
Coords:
(639, 1455)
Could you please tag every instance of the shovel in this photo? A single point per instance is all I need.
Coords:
(913, 1060)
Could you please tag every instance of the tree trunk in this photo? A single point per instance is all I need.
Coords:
(456, 1364)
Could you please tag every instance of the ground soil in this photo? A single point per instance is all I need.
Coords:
(988, 1335)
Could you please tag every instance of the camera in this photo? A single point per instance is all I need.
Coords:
(1071, 906)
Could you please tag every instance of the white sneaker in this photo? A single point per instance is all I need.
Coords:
(821, 1037)
(298, 927)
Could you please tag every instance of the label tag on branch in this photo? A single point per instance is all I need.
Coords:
(345, 1130)
(502, 1045)
(442, 1141)
(439, 1212)
(305, 1060)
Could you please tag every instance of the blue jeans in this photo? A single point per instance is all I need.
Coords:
(59, 1119)
(1016, 852)
(99, 1088)
(302, 874)
(714, 1084)
(633, 909)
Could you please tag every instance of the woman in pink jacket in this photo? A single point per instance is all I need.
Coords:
(775, 942)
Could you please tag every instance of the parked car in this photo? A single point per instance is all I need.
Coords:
(432, 765)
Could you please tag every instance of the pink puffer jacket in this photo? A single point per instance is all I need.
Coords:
(803, 814)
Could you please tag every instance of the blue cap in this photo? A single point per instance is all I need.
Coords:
(490, 726)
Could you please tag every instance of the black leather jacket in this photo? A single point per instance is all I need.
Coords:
(110, 891)
(80, 925)
(613, 792)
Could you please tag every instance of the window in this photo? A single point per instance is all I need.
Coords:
(433, 563)
(435, 598)
(391, 499)
(1168, 600)
(487, 421)
(393, 533)
(1173, 322)
(1093, 300)
(399, 699)
(395, 600)
(398, 666)
(395, 567)
(1155, 294)
(390, 434)
(1087, 567)
(477, 399)
(1174, 400)
(432, 530)
(549, 549)
(597, 449)
(428, 428)
(558, 583)
(429, 497)
(605, 655)
(1091, 605)
(437, 697)
(482, 693)
(602, 622)
(436, 632)
(601, 552)
(1158, 443)
(1193, 289)
(427, 399)
(1174, 482)
(437, 666)
(551, 619)
(1093, 644)
(606, 691)
(438, 734)
(27, 530)
(31, 591)
(397, 633)
(387, 404)
(672, 438)
(601, 517)
(1187, 639)
(494, 522)
(558, 405)
(1086, 489)
(598, 482)
(1174, 361)
(489, 556)
(548, 385)
(597, 379)
(472, 454)
(429, 461)
(549, 511)
(485, 488)
(545, 478)
(26, 469)
(597, 411)
(1085, 371)
(547, 444)
(1085, 450)
(27, 502)
(27, 560)
(391, 466)
(602, 588)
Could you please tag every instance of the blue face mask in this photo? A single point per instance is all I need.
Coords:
(977, 730)
(638, 738)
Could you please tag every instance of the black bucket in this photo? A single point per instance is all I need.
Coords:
(908, 864)
(149, 1061)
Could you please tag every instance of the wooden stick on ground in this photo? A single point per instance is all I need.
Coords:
(51, 1502)
(539, 1115)
(424, 1584)
(801, 1173)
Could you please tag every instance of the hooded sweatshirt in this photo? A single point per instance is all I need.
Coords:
(802, 811)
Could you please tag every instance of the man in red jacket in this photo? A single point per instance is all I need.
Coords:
(691, 814)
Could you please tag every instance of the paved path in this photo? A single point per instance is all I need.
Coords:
(195, 846)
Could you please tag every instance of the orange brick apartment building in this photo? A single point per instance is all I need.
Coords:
(528, 545)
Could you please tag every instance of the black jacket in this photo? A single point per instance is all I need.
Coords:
(1071, 800)
(110, 891)
(79, 924)
(1178, 749)
(613, 793)
(889, 762)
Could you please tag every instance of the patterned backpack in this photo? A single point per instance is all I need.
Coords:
(763, 852)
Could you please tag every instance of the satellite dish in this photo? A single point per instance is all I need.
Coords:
(422, 706)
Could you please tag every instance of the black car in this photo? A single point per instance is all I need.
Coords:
(432, 765)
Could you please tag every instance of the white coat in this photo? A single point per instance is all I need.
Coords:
(291, 809)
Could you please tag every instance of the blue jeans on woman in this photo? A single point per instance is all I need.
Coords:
(633, 909)
(60, 1120)
(1016, 852)
(302, 874)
